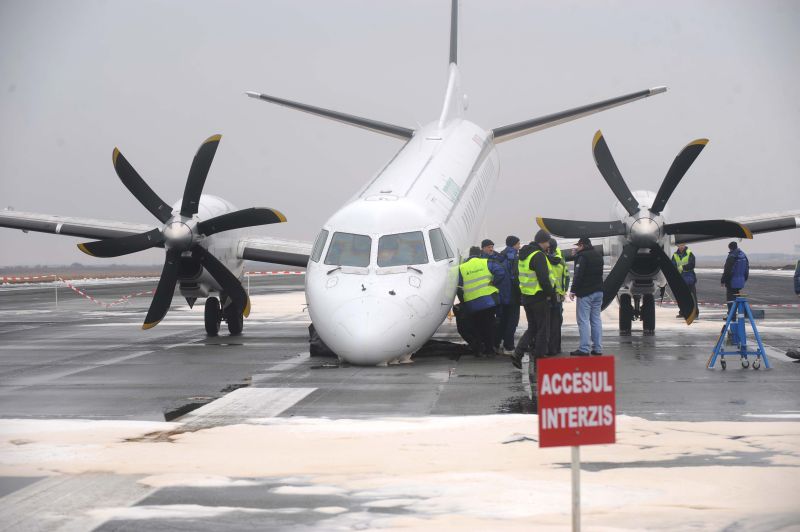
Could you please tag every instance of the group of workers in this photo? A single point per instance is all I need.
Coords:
(493, 286)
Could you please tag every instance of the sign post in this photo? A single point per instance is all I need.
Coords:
(577, 406)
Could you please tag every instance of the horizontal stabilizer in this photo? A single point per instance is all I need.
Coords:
(364, 123)
(502, 134)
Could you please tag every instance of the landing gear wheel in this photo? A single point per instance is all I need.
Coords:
(649, 312)
(745, 363)
(723, 363)
(235, 320)
(625, 314)
(756, 364)
(213, 316)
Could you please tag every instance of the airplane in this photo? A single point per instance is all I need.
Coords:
(382, 273)
(638, 239)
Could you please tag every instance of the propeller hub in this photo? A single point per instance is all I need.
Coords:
(178, 235)
(645, 231)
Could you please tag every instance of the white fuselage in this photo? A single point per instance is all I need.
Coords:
(372, 300)
(194, 281)
(644, 277)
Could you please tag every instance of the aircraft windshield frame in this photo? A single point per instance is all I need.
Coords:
(402, 249)
(349, 249)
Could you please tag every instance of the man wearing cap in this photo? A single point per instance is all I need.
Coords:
(587, 284)
(537, 292)
(478, 279)
(734, 274)
(510, 316)
(560, 279)
(683, 259)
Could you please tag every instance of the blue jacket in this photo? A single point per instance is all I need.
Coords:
(504, 284)
(498, 277)
(797, 278)
(737, 270)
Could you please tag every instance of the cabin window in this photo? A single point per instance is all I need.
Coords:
(347, 249)
(319, 245)
(441, 250)
(402, 249)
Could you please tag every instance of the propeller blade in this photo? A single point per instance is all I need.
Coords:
(229, 283)
(114, 247)
(164, 291)
(580, 229)
(682, 293)
(238, 219)
(720, 228)
(197, 175)
(618, 273)
(605, 163)
(676, 172)
(141, 191)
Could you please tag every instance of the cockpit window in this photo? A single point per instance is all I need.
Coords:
(441, 250)
(402, 249)
(347, 249)
(319, 245)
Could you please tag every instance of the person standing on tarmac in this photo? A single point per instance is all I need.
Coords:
(478, 279)
(588, 286)
(797, 278)
(683, 259)
(537, 292)
(509, 319)
(504, 294)
(734, 274)
(560, 280)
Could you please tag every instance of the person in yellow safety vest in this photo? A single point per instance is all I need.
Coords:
(683, 259)
(559, 276)
(537, 292)
(478, 279)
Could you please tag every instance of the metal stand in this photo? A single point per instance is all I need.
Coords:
(576, 488)
(735, 328)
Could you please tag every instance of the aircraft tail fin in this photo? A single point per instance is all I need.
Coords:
(454, 101)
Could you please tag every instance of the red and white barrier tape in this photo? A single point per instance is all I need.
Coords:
(7, 280)
(255, 274)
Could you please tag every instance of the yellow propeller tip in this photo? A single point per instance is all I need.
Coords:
(213, 138)
(83, 248)
(701, 142)
(114, 156)
(150, 325)
(597, 137)
(540, 221)
(691, 317)
(246, 312)
(747, 232)
(280, 215)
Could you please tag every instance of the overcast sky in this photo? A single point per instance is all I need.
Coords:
(156, 78)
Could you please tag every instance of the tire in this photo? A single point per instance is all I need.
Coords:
(235, 320)
(213, 316)
(625, 313)
(649, 312)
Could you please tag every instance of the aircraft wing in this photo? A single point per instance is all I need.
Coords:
(275, 251)
(762, 223)
(70, 226)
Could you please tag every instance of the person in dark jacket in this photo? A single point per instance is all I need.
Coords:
(587, 284)
(684, 260)
(537, 292)
(505, 288)
(477, 290)
(734, 274)
(509, 317)
(797, 278)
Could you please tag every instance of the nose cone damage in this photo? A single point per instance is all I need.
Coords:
(369, 331)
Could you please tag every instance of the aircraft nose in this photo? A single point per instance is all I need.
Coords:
(371, 330)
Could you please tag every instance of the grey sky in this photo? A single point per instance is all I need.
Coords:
(156, 78)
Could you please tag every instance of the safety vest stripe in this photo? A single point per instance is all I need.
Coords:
(478, 279)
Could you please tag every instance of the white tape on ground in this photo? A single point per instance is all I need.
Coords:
(244, 404)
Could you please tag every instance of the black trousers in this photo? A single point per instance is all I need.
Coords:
(507, 325)
(538, 316)
(483, 322)
(556, 319)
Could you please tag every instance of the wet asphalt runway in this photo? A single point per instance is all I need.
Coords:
(81, 361)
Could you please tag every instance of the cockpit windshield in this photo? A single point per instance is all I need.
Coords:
(402, 249)
(347, 249)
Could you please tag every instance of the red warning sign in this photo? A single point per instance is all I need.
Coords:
(576, 400)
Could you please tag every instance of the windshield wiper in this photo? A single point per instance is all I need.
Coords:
(415, 269)
(334, 269)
